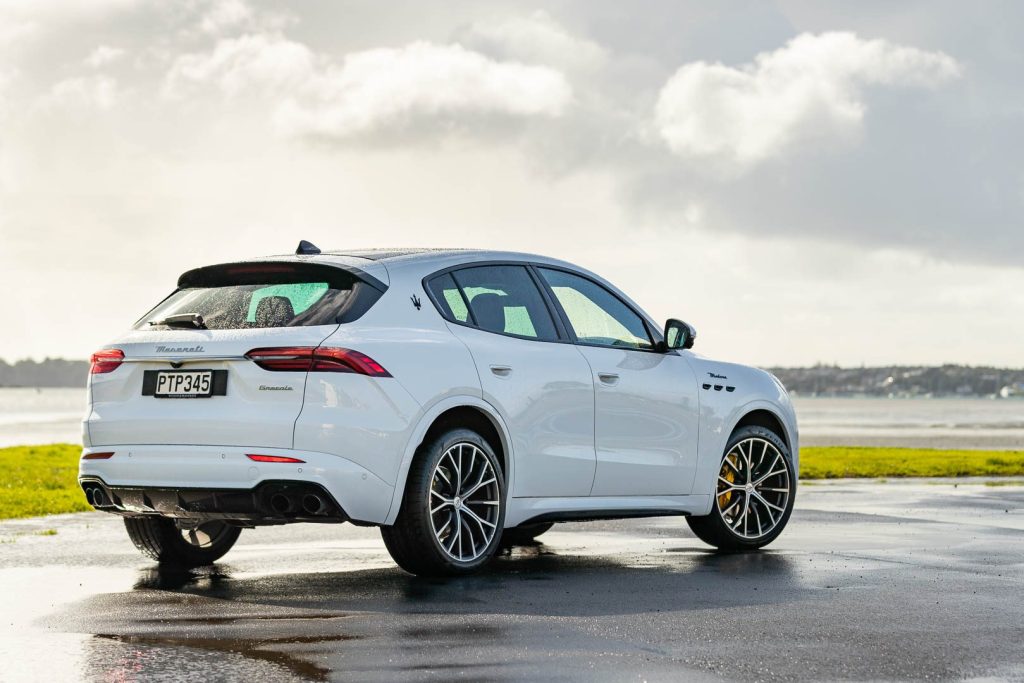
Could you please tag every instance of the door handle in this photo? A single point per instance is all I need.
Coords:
(501, 370)
(608, 377)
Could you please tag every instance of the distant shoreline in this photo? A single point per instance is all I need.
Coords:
(818, 381)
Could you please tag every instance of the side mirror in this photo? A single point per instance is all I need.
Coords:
(679, 335)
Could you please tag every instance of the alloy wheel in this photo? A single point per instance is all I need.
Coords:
(753, 488)
(465, 502)
(204, 535)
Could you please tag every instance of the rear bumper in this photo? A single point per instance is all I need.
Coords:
(272, 502)
(221, 482)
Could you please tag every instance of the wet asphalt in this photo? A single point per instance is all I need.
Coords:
(871, 581)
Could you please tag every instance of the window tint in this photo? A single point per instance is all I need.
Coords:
(505, 299)
(597, 316)
(448, 297)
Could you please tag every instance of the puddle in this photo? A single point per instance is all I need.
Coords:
(254, 649)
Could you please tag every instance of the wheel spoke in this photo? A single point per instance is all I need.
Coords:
(725, 512)
(440, 470)
(479, 519)
(730, 486)
(765, 502)
(771, 517)
(470, 541)
(468, 474)
(476, 487)
(440, 532)
(746, 513)
(770, 474)
(458, 475)
(454, 535)
(774, 461)
(455, 471)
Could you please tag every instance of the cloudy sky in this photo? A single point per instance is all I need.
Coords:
(803, 181)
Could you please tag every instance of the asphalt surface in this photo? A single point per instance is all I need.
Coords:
(871, 581)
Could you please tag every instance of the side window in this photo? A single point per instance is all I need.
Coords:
(448, 296)
(597, 316)
(503, 299)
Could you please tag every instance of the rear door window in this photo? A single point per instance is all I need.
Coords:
(502, 299)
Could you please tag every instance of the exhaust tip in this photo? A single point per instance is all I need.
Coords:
(99, 498)
(313, 504)
(280, 503)
(88, 495)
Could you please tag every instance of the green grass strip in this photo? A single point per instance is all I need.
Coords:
(834, 462)
(40, 480)
(43, 480)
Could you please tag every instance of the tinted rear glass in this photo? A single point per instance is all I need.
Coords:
(243, 297)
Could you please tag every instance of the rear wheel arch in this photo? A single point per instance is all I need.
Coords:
(468, 412)
(470, 417)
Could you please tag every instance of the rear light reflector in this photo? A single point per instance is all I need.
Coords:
(316, 359)
(272, 458)
(105, 361)
(97, 456)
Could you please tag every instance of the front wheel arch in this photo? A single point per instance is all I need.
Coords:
(761, 417)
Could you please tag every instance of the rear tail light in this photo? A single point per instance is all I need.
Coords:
(105, 361)
(316, 359)
(97, 456)
(272, 458)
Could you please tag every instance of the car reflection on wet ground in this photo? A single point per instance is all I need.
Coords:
(870, 581)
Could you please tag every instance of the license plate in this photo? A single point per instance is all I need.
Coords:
(184, 384)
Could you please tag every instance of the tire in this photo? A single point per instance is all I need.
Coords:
(446, 540)
(160, 539)
(737, 520)
(525, 534)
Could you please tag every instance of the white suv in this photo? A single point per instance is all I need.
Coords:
(456, 399)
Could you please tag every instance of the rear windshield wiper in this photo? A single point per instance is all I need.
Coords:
(193, 320)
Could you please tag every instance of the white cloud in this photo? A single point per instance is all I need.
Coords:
(534, 38)
(385, 88)
(98, 92)
(103, 55)
(265, 63)
(812, 88)
(371, 90)
(224, 15)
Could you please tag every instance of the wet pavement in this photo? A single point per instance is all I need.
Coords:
(896, 580)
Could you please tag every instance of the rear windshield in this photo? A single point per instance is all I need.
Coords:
(241, 296)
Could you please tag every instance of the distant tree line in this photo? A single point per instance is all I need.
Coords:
(944, 380)
(52, 372)
(819, 380)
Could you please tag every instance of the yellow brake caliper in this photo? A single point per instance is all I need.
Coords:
(729, 474)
